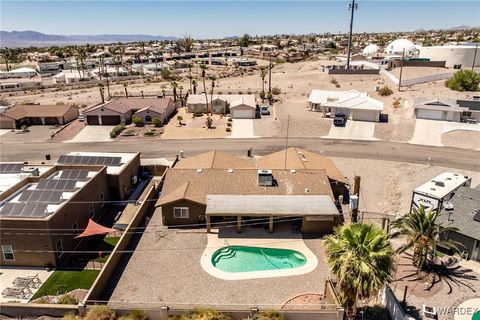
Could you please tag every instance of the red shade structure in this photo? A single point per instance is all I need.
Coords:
(94, 229)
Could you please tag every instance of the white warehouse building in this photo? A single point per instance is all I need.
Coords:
(454, 56)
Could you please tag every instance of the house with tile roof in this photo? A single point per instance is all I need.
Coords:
(32, 114)
(197, 190)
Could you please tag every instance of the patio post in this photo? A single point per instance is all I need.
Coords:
(239, 224)
(208, 223)
(270, 224)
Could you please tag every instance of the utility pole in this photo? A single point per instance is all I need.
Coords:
(352, 7)
(474, 56)
(270, 74)
(401, 71)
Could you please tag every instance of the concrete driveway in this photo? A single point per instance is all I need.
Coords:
(93, 134)
(429, 132)
(353, 130)
(242, 128)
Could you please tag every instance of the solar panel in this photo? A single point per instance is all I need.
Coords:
(90, 160)
(11, 167)
(26, 196)
(116, 161)
(56, 184)
(476, 217)
(6, 208)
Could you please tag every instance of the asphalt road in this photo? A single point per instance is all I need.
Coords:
(381, 150)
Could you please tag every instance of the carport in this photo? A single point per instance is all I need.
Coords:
(317, 213)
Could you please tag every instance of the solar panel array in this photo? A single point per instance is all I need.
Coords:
(77, 175)
(56, 184)
(24, 209)
(11, 167)
(33, 203)
(90, 160)
(476, 217)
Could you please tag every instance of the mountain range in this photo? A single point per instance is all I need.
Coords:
(33, 38)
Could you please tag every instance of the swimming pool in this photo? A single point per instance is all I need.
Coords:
(246, 259)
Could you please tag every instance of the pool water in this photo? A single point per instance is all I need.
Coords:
(246, 259)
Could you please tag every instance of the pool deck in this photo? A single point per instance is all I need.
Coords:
(165, 270)
(256, 237)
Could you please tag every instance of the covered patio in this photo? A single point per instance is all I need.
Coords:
(317, 212)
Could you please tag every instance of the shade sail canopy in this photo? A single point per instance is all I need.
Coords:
(94, 229)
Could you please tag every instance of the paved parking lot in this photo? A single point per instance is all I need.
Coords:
(93, 134)
(353, 130)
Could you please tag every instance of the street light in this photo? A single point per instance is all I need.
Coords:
(352, 7)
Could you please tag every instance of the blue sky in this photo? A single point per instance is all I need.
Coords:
(203, 19)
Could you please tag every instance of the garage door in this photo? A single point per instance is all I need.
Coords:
(429, 114)
(111, 120)
(242, 114)
(92, 120)
(365, 115)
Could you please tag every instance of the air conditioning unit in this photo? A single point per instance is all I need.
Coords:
(265, 178)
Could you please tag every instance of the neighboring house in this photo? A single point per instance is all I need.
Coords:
(238, 105)
(355, 105)
(161, 110)
(214, 186)
(73, 76)
(121, 110)
(448, 109)
(19, 115)
(18, 84)
(48, 68)
(463, 213)
(244, 62)
(18, 73)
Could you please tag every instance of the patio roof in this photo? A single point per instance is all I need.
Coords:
(279, 205)
(94, 229)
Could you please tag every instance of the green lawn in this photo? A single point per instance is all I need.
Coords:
(107, 245)
(64, 281)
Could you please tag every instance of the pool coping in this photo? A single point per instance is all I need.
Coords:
(295, 242)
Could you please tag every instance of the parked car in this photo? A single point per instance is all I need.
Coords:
(340, 120)
(264, 111)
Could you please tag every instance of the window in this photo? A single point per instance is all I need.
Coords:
(466, 113)
(8, 253)
(91, 211)
(75, 226)
(180, 213)
(59, 247)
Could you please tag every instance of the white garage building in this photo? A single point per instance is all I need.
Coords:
(454, 56)
(240, 106)
(354, 104)
(448, 109)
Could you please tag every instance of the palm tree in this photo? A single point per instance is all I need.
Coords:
(102, 94)
(361, 257)
(174, 86)
(194, 84)
(423, 235)
(263, 74)
(204, 68)
(212, 78)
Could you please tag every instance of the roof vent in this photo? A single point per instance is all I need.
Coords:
(304, 160)
(265, 178)
(230, 170)
(440, 184)
(306, 190)
(292, 171)
(199, 170)
(448, 205)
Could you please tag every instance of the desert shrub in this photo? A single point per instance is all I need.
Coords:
(276, 90)
(198, 114)
(71, 316)
(60, 103)
(376, 313)
(113, 134)
(119, 128)
(279, 61)
(24, 128)
(396, 102)
(385, 91)
(67, 299)
(228, 129)
(157, 122)
(166, 74)
(179, 119)
(100, 313)
(137, 121)
(229, 120)
(334, 81)
(269, 96)
(464, 80)
(135, 315)
(149, 134)
(209, 122)
(229, 124)
(269, 314)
